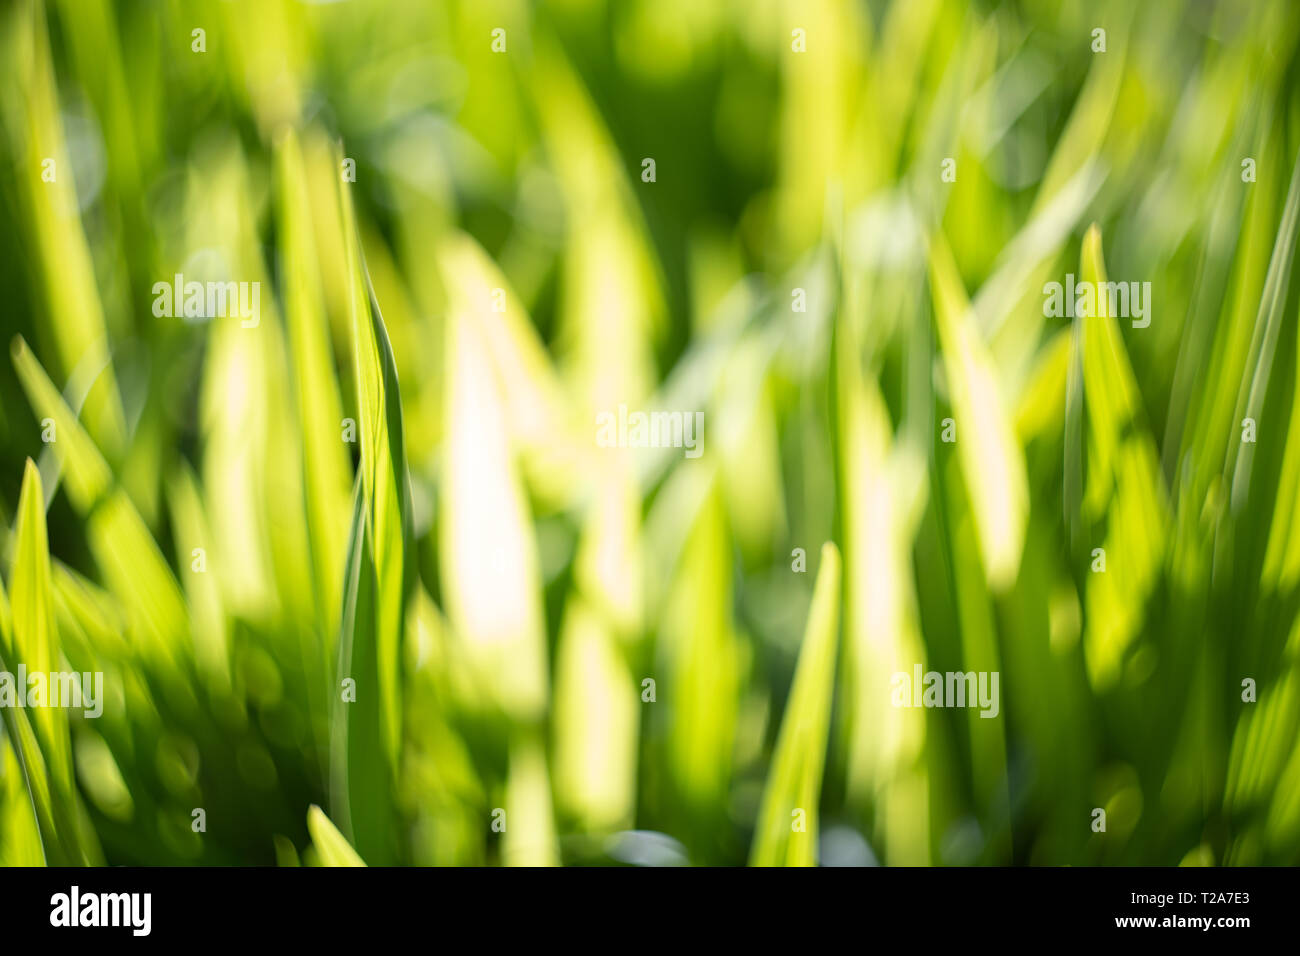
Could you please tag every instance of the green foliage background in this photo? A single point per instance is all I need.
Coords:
(496, 585)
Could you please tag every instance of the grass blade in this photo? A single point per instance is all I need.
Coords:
(1123, 480)
(44, 750)
(1250, 397)
(331, 846)
(35, 639)
(324, 459)
(491, 580)
(795, 781)
(991, 458)
(130, 560)
(76, 313)
(366, 732)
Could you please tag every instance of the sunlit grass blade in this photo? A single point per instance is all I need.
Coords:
(702, 661)
(44, 748)
(608, 566)
(129, 558)
(385, 483)
(596, 722)
(975, 614)
(1263, 739)
(1085, 133)
(1072, 476)
(35, 637)
(54, 841)
(1263, 343)
(76, 313)
(87, 611)
(1212, 426)
(20, 834)
(537, 413)
(360, 768)
(491, 580)
(210, 627)
(6, 620)
(607, 353)
(331, 847)
(1109, 386)
(991, 458)
(787, 831)
(882, 497)
(529, 838)
(320, 416)
(750, 472)
(366, 730)
(83, 470)
(1123, 480)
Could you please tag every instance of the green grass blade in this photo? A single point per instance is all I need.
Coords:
(491, 580)
(703, 662)
(89, 610)
(51, 823)
(1124, 481)
(795, 780)
(1263, 343)
(132, 563)
(75, 311)
(45, 749)
(1109, 386)
(539, 419)
(210, 629)
(6, 620)
(366, 734)
(84, 470)
(35, 638)
(325, 463)
(595, 723)
(385, 482)
(360, 771)
(331, 847)
(991, 458)
(881, 495)
(530, 829)
(20, 832)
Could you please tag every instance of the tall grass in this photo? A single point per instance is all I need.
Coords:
(363, 585)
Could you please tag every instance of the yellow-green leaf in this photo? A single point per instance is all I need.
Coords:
(331, 846)
(787, 824)
(991, 459)
(35, 638)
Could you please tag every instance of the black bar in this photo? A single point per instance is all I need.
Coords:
(331, 906)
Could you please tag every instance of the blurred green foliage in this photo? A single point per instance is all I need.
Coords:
(363, 585)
